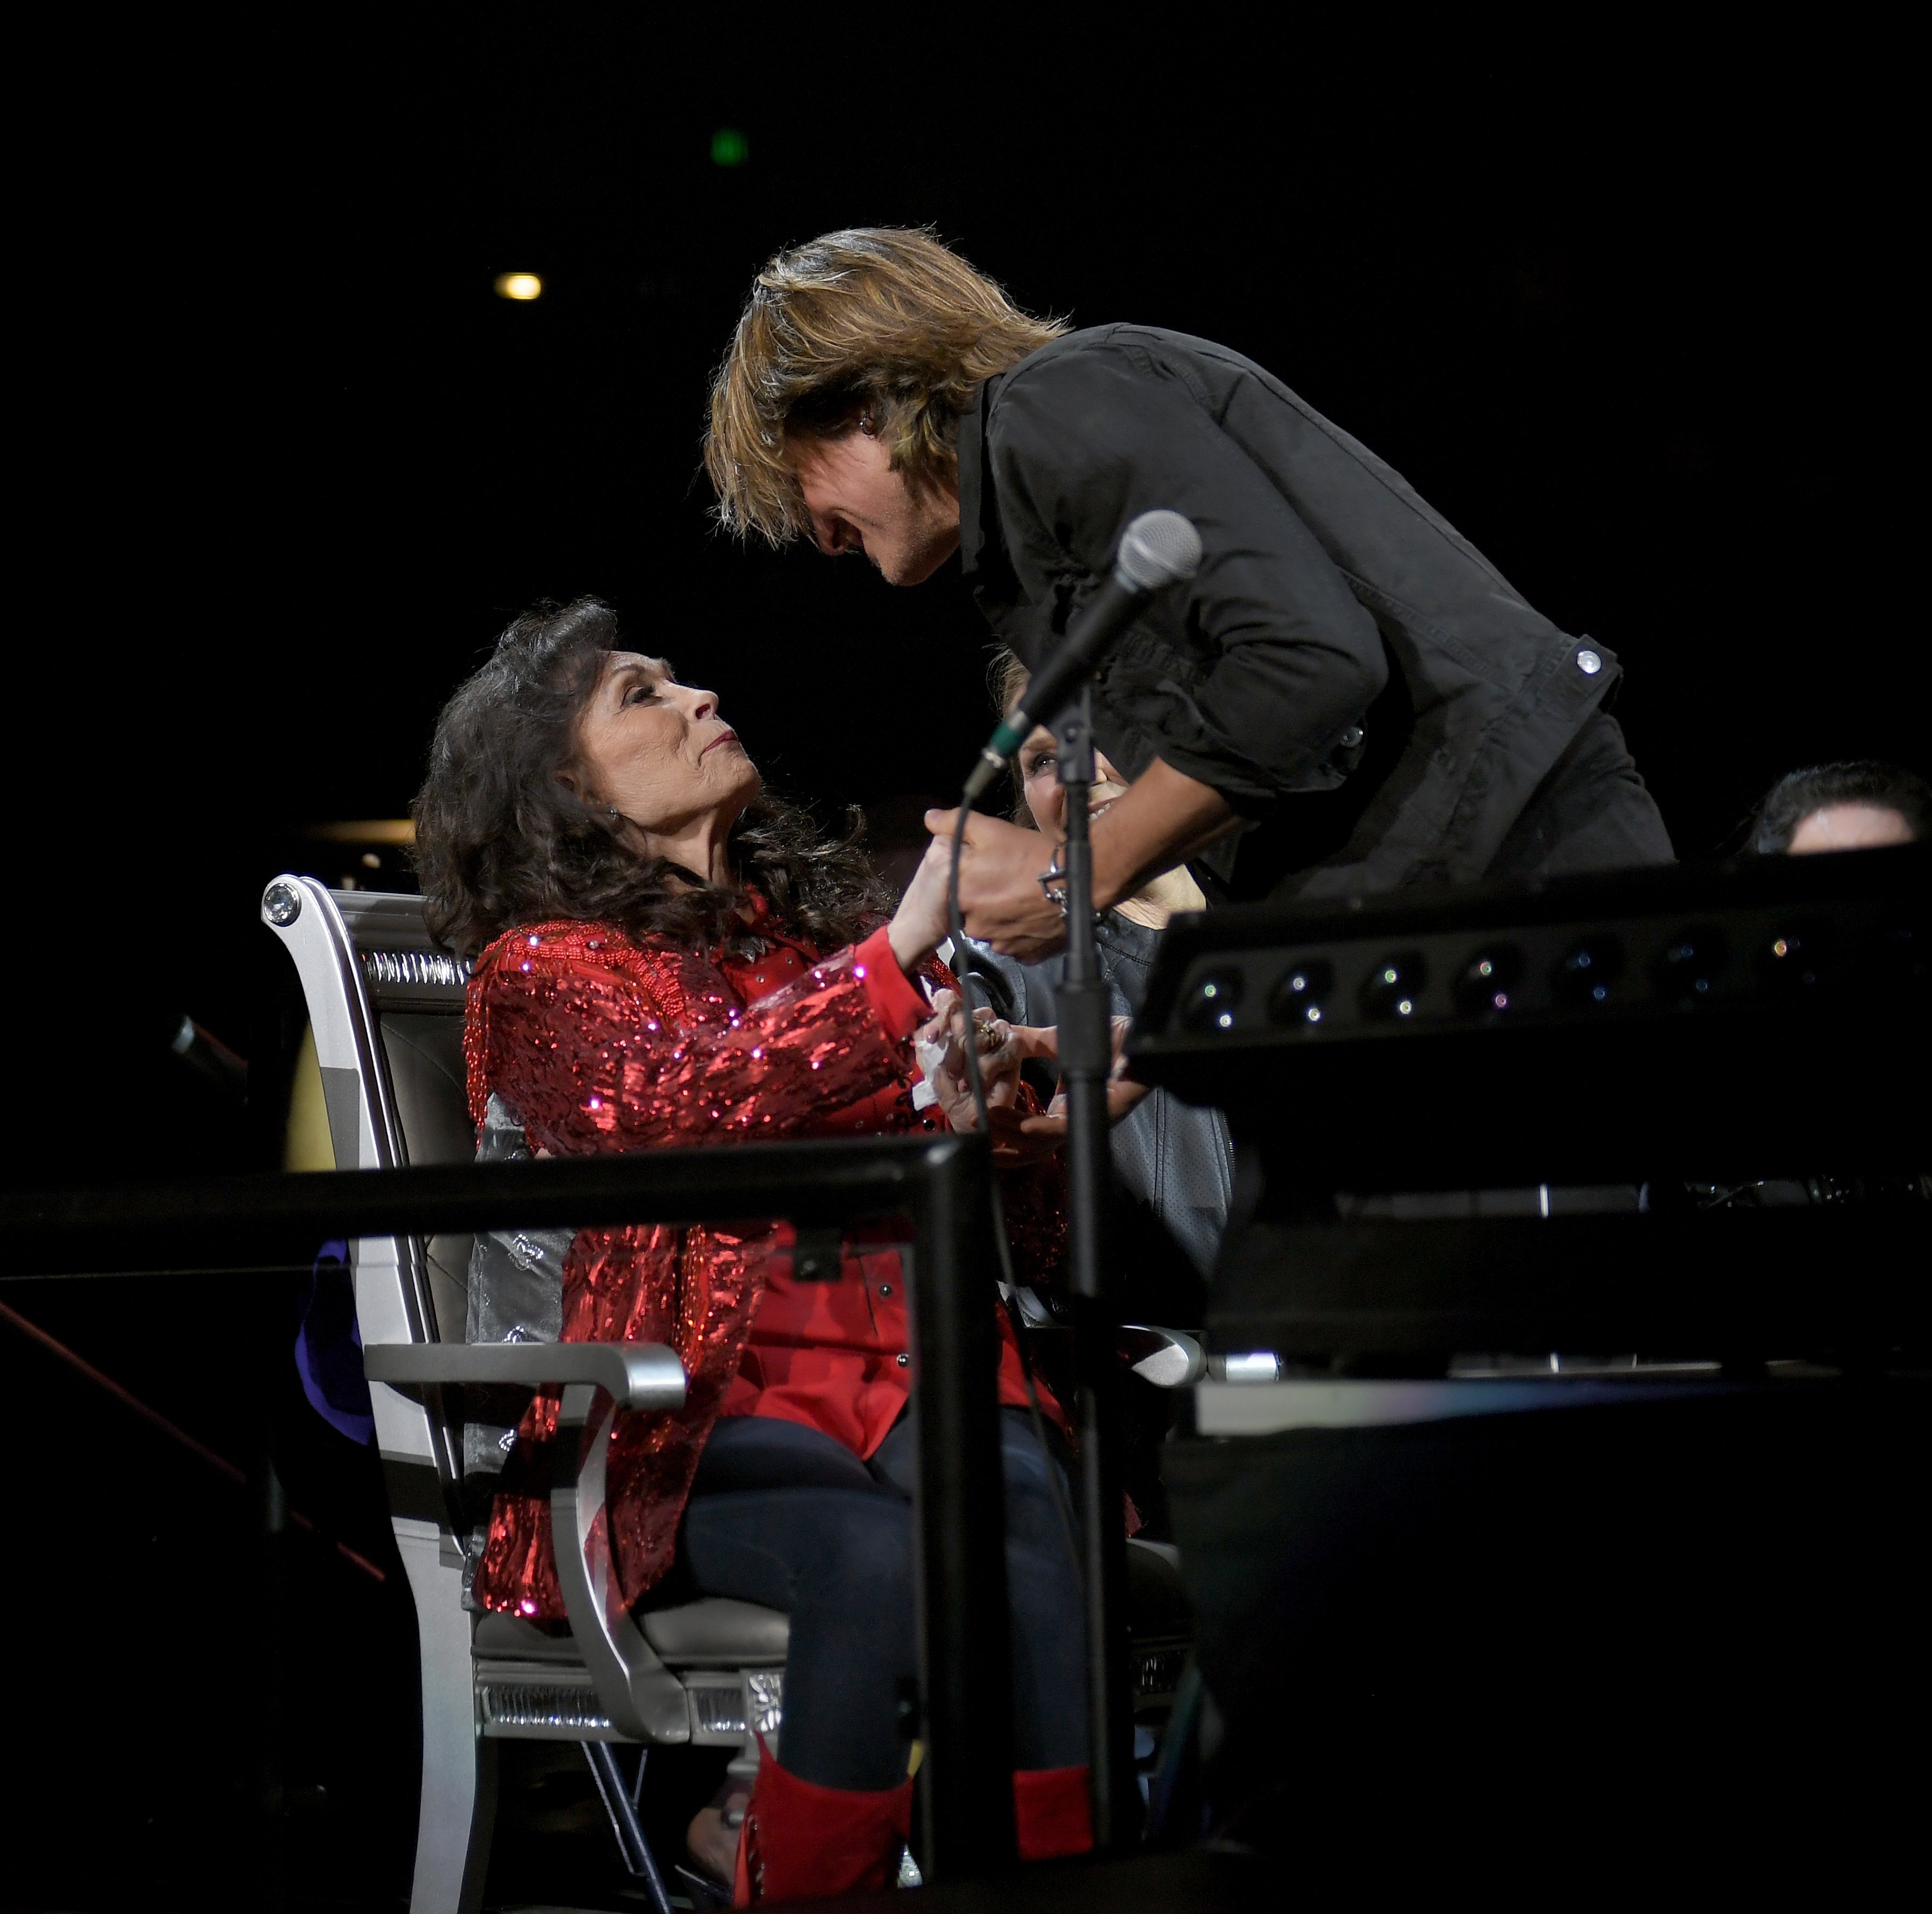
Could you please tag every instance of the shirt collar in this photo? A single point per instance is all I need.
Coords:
(983, 558)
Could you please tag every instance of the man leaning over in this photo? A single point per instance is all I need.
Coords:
(1347, 698)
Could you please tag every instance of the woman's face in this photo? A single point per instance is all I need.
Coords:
(658, 750)
(1046, 796)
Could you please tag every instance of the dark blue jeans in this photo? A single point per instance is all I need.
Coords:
(782, 1515)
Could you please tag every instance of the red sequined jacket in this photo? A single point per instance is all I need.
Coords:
(601, 1042)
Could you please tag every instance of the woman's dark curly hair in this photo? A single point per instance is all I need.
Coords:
(501, 840)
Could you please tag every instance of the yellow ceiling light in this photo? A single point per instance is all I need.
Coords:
(519, 286)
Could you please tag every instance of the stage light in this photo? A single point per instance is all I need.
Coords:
(729, 148)
(1487, 981)
(1689, 967)
(1212, 1003)
(519, 286)
(1588, 972)
(1796, 963)
(1393, 986)
(1300, 991)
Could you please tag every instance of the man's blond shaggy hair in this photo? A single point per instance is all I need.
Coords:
(877, 322)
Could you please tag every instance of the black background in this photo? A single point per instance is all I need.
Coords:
(1628, 309)
(1627, 304)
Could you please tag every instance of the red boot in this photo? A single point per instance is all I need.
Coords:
(1052, 1816)
(802, 1842)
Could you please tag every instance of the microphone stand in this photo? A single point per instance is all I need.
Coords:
(1086, 1060)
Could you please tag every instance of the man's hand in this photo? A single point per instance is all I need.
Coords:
(1161, 820)
(1000, 896)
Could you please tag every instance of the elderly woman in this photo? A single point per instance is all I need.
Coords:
(663, 956)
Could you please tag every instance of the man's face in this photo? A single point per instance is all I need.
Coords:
(1850, 827)
(858, 503)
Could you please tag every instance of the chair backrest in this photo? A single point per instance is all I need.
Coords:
(386, 1009)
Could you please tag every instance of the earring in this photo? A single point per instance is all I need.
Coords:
(869, 425)
(613, 809)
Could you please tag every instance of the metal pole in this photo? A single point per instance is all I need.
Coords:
(210, 1224)
(1086, 1057)
(965, 1651)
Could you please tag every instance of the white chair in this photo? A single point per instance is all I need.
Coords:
(385, 1007)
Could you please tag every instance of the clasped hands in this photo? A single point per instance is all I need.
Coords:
(1017, 1138)
(1001, 899)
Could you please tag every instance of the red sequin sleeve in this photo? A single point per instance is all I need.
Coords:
(592, 1056)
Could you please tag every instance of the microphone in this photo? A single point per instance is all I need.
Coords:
(1159, 549)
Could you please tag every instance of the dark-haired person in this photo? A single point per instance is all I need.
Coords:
(663, 955)
(1863, 805)
(1348, 697)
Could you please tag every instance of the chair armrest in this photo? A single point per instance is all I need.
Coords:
(643, 1699)
(634, 1375)
(1168, 1358)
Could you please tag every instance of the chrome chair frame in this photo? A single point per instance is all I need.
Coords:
(709, 1671)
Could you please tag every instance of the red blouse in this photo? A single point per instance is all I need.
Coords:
(599, 1042)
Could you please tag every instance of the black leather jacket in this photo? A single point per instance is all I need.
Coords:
(1347, 670)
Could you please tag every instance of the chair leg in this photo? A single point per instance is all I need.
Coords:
(1177, 1774)
(458, 1803)
(620, 1803)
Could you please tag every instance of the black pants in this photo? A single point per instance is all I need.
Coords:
(782, 1515)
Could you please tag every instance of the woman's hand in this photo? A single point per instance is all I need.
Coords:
(1123, 1092)
(940, 1046)
(918, 927)
(1000, 895)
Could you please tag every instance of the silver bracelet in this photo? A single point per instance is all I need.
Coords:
(1055, 873)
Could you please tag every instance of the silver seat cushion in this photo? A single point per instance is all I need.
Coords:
(715, 1631)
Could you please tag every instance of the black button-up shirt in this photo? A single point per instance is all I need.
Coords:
(1349, 672)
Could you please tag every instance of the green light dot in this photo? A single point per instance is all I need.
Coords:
(729, 148)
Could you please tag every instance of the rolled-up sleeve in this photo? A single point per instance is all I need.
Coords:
(1288, 659)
